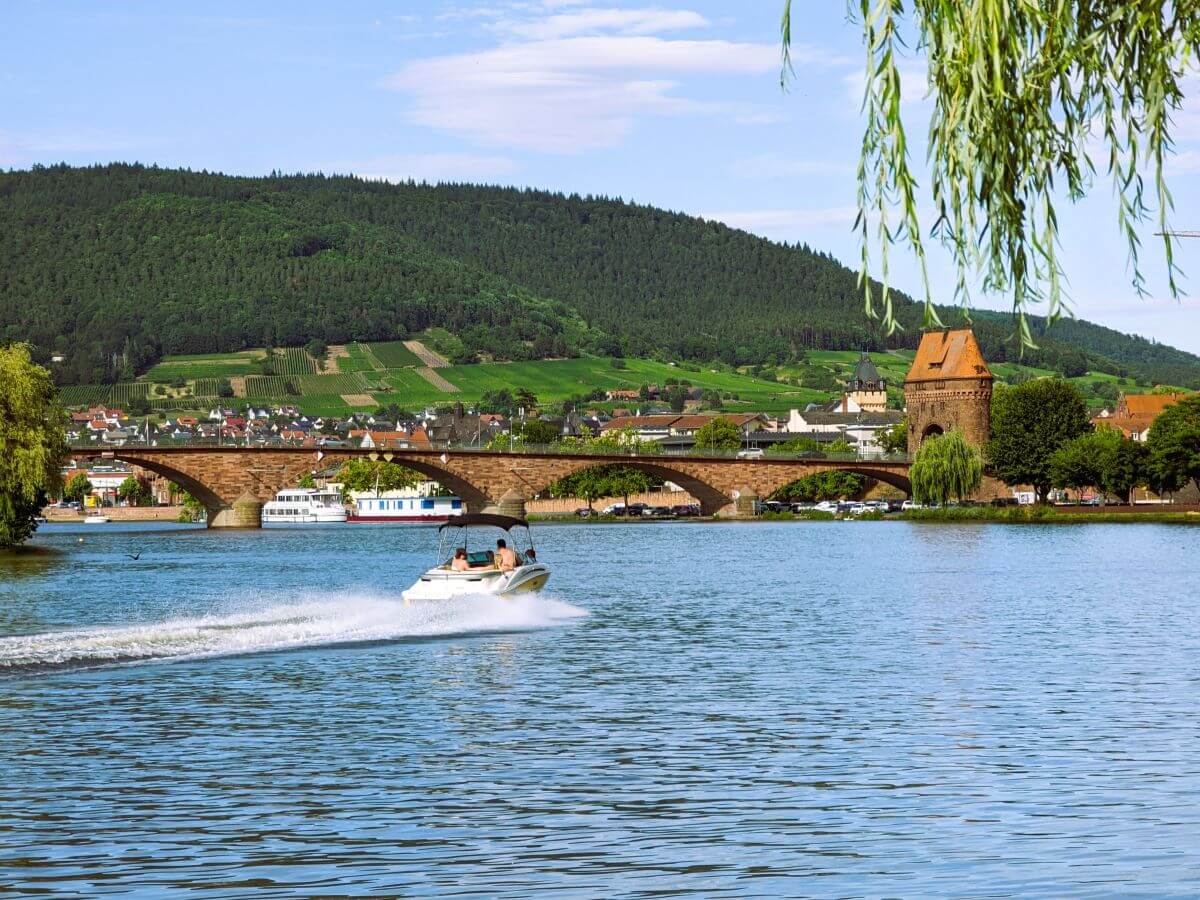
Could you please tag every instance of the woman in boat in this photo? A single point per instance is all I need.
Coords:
(460, 563)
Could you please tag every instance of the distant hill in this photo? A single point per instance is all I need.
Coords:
(114, 266)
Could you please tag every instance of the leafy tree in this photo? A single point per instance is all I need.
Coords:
(225, 389)
(1103, 459)
(367, 475)
(894, 439)
(1021, 94)
(622, 481)
(796, 445)
(1029, 423)
(77, 488)
(134, 491)
(307, 481)
(618, 363)
(1174, 444)
(316, 348)
(587, 484)
(677, 398)
(192, 509)
(718, 434)
(946, 468)
(831, 485)
(32, 443)
(535, 431)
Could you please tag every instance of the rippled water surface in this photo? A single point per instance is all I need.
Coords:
(795, 708)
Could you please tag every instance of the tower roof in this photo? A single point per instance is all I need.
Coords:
(865, 372)
(947, 355)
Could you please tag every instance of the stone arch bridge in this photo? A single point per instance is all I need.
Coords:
(233, 483)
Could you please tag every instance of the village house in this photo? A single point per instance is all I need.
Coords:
(1135, 413)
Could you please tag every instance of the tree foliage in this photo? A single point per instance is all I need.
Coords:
(1174, 444)
(113, 266)
(134, 491)
(32, 443)
(77, 488)
(719, 434)
(1021, 92)
(1029, 423)
(367, 475)
(1103, 459)
(535, 431)
(832, 485)
(946, 468)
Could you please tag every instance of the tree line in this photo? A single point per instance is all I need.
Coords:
(111, 267)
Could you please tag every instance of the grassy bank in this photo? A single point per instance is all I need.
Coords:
(1042, 515)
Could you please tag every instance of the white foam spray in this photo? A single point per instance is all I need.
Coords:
(257, 626)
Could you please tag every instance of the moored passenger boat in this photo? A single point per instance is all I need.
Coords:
(304, 506)
(406, 509)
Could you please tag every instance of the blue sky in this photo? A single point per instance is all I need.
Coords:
(676, 105)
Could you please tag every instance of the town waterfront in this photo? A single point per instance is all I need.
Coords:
(822, 708)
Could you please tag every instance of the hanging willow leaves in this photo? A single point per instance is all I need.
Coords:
(1023, 93)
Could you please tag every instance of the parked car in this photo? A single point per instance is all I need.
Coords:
(895, 505)
(636, 509)
(774, 506)
(585, 512)
(656, 512)
(827, 506)
(685, 510)
(910, 504)
(752, 453)
(613, 509)
(1004, 501)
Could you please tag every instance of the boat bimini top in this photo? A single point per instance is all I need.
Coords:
(470, 522)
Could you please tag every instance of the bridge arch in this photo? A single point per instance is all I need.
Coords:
(710, 497)
(474, 498)
(208, 497)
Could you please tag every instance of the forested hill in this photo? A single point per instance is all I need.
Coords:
(113, 266)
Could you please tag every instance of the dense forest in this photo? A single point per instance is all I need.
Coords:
(114, 266)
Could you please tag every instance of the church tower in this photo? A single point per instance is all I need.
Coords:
(948, 386)
(866, 387)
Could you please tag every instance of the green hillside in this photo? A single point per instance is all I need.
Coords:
(114, 267)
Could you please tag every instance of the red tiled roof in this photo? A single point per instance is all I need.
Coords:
(948, 354)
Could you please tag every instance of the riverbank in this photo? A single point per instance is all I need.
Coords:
(1052, 514)
(116, 514)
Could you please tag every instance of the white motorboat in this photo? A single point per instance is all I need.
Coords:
(482, 574)
(304, 506)
(95, 519)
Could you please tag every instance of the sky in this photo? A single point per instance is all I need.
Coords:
(675, 105)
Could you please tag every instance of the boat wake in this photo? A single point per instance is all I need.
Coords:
(259, 627)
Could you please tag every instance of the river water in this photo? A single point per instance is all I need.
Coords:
(830, 709)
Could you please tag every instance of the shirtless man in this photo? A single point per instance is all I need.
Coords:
(460, 563)
(506, 559)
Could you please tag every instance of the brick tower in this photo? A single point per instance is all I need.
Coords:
(948, 386)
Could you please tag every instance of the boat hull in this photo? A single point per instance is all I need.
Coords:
(442, 584)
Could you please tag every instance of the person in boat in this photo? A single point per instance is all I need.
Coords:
(460, 563)
(506, 559)
(530, 556)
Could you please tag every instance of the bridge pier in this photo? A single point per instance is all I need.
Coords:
(512, 504)
(244, 512)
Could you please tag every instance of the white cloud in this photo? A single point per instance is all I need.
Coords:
(571, 94)
(431, 167)
(781, 222)
(593, 20)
